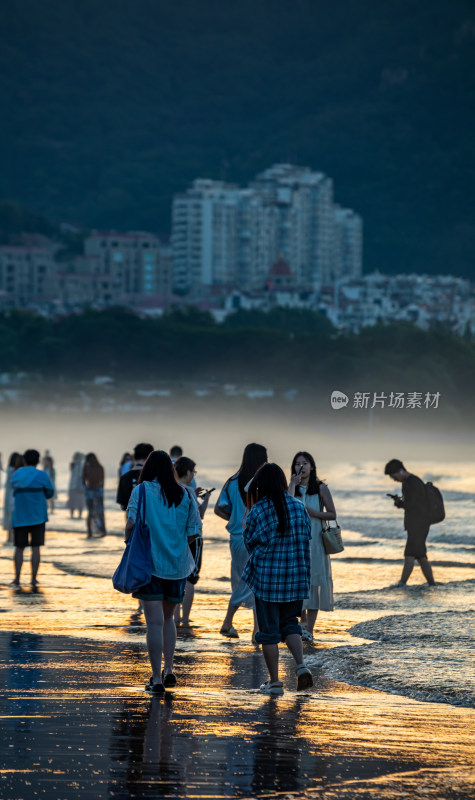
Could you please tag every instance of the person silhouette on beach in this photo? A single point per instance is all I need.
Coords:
(416, 520)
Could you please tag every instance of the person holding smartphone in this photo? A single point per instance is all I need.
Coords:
(307, 487)
(185, 469)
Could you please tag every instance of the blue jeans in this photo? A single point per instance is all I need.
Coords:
(95, 507)
(277, 620)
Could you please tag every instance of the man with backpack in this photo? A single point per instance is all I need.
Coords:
(417, 519)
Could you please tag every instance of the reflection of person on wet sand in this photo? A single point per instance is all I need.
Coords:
(159, 739)
(416, 520)
(277, 750)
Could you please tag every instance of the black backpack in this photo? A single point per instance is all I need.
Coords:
(435, 503)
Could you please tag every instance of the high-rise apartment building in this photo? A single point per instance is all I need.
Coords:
(299, 219)
(348, 244)
(205, 234)
(225, 235)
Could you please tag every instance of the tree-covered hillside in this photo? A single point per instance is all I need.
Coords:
(249, 347)
(107, 108)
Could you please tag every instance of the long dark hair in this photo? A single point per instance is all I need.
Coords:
(16, 460)
(159, 465)
(253, 457)
(270, 481)
(314, 482)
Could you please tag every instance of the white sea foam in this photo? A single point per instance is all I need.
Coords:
(426, 656)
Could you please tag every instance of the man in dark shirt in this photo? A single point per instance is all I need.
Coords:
(416, 520)
(129, 480)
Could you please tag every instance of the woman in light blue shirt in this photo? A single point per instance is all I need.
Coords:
(173, 520)
(231, 506)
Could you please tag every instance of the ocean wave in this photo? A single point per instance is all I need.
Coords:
(454, 532)
(425, 656)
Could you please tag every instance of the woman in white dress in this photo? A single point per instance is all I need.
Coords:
(231, 506)
(76, 493)
(306, 486)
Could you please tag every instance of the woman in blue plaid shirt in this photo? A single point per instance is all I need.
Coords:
(277, 536)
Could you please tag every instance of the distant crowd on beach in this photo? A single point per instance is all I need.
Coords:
(280, 561)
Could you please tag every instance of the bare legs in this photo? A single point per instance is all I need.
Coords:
(310, 618)
(161, 635)
(271, 654)
(185, 606)
(18, 562)
(425, 566)
(35, 563)
(228, 621)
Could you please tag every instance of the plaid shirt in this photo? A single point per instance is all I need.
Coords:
(278, 569)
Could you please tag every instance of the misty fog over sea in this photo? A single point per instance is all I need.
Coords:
(415, 641)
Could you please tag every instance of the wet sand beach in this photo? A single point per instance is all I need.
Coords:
(78, 724)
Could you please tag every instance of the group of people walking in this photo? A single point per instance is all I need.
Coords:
(279, 566)
(86, 488)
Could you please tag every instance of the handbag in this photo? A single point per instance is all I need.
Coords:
(332, 541)
(135, 568)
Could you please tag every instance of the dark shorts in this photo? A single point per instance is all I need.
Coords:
(416, 542)
(277, 620)
(162, 589)
(196, 547)
(37, 535)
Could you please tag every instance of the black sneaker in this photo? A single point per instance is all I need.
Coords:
(169, 680)
(155, 688)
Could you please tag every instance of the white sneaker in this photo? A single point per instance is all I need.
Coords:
(307, 636)
(275, 688)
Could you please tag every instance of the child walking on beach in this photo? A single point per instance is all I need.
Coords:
(277, 536)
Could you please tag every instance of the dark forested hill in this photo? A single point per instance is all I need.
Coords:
(107, 108)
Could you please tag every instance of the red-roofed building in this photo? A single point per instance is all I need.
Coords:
(280, 276)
